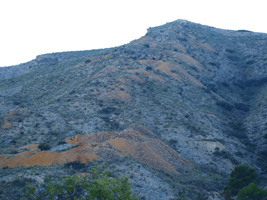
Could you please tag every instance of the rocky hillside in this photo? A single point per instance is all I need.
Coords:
(175, 110)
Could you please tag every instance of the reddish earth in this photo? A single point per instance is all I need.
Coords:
(12, 115)
(137, 142)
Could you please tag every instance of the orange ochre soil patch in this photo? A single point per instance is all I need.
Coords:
(47, 158)
(137, 142)
(6, 124)
(12, 114)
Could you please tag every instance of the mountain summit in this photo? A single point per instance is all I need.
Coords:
(175, 110)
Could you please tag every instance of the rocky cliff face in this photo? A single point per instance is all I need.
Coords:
(185, 99)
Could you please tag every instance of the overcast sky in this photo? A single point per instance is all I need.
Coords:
(33, 27)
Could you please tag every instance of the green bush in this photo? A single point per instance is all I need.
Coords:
(233, 58)
(173, 142)
(97, 186)
(230, 50)
(87, 61)
(146, 45)
(252, 192)
(149, 68)
(61, 142)
(75, 165)
(225, 105)
(226, 155)
(44, 146)
(240, 177)
(244, 31)
(242, 107)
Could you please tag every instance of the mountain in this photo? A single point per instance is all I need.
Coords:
(175, 111)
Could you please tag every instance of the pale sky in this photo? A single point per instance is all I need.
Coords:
(32, 27)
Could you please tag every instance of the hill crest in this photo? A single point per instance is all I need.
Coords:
(194, 96)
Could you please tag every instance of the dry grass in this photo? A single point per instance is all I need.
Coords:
(136, 79)
(115, 94)
(205, 46)
(145, 73)
(189, 60)
(180, 74)
(30, 147)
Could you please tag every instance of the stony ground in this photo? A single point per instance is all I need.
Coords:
(185, 99)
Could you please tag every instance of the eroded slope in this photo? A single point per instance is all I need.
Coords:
(201, 90)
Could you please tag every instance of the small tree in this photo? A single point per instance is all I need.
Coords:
(97, 186)
(240, 177)
(252, 192)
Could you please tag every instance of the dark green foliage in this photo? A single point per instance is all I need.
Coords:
(44, 146)
(244, 31)
(212, 87)
(230, 50)
(225, 105)
(226, 155)
(242, 107)
(233, 58)
(75, 165)
(263, 154)
(148, 68)
(250, 62)
(87, 61)
(146, 45)
(97, 186)
(172, 141)
(61, 142)
(107, 110)
(240, 177)
(238, 130)
(182, 39)
(13, 141)
(12, 189)
(220, 153)
(252, 192)
(255, 83)
(214, 64)
(240, 154)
